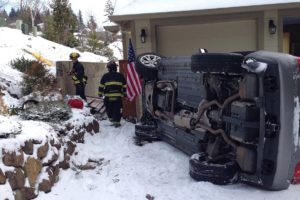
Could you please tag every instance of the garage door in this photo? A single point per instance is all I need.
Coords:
(215, 37)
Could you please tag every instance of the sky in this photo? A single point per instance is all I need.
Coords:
(90, 7)
(87, 7)
(126, 171)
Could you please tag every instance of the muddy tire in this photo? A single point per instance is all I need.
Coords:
(221, 172)
(217, 63)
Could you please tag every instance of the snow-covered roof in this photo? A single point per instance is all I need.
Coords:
(134, 7)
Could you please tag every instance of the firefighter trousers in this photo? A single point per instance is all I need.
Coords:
(113, 108)
(80, 87)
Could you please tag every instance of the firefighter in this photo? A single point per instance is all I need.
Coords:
(113, 88)
(78, 76)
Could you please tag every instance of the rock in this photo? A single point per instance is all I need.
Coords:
(16, 178)
(45, 186)
(69, 126)
(55, 144)
(33, 168)
(53, 172)
(36, 141)
(89, 128)
(87, 166)
(54, 156)
(25, 193)
(65, 164)
(43, 151)
(70, 148)
(28, 147)
(95, 126)
(2, 177)
(12, 158)
(78, 137)
(149, 197)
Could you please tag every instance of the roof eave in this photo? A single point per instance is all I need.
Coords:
(119, 18)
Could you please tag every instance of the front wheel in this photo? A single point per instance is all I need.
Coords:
(220, 172)
(146, 65)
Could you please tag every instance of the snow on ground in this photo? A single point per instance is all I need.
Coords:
(131, 172)
(116, 47)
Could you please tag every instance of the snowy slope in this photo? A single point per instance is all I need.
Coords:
(12, 46)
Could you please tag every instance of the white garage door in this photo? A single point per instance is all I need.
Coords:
(215, 37)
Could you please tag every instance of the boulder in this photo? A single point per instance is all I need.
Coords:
(43, 151)
(2, 177)
(14, 159)
(96, 126)
(45, 186)
(28, 147)
(32, 168)
(16, 178)
(25, 193)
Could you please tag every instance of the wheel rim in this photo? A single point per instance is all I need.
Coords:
(149, 60)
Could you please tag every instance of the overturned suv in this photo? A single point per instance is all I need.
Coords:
(235, 114)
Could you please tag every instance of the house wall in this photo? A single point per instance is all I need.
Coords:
(271, 42)
(265, 41)
(239, 35)
(163, 33)
(147, 46)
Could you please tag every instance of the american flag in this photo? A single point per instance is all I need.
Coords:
(134, 87)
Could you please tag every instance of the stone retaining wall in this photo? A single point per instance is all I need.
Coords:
(35, 166)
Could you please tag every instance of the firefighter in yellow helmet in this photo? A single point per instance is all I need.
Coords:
(113, 88)
(78, 76)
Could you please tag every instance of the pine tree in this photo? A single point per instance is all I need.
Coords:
(12, 15)
(108, 8)
(49, 31)
(64, 22)
(3, 13)
(81, 24)
(93, 38)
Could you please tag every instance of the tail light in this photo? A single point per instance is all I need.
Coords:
(296, 178)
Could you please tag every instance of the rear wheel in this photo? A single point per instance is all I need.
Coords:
(146, 65)
(221, 172)
(217, 62)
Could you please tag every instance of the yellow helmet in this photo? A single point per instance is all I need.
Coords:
(74, 55)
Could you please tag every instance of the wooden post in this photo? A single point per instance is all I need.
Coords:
(129, 107)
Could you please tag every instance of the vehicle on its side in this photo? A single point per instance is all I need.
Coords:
(235, 114)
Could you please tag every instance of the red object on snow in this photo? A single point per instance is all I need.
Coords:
(75, 103)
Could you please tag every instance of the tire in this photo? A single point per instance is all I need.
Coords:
(217, 63)
(146, 132)
(220, 172)
(147, 66)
